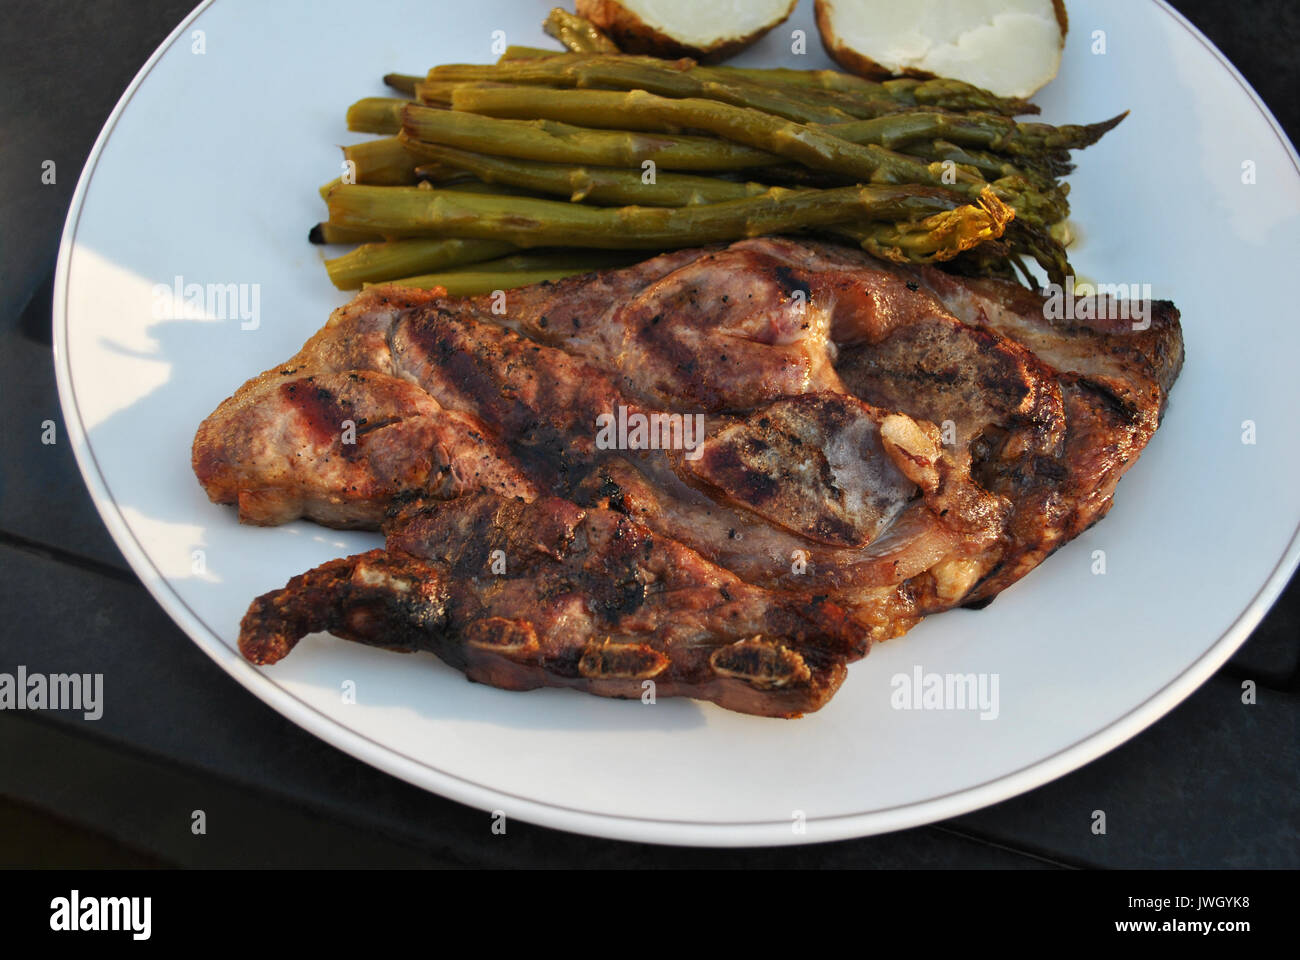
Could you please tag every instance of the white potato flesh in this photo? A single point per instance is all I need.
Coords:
(1011, 47)
(702, 23)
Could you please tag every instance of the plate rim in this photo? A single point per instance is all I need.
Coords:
(593, 822)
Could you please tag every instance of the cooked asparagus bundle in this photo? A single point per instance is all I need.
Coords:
(591, 148)
(813, 146)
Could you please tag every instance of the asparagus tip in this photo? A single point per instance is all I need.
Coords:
(1095, 131)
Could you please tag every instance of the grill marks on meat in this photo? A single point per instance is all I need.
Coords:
(1114, 382)
(971, 381)
(588, 598)
(880, 443)
(340, 447)
(281, 448)
(543, 400)
(712, 331)
(814, 464)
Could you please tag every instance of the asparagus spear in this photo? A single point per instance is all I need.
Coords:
(954, 95)
(567, 258)
(471, 283)
(402, 82)
(563, 143)
(941, 92)
(517, 270)
(665, 78)
(1041, 174)
(376, 115)
(435, 93)
(474, 185)
(601, 185)
(797, 175)
(332, 233)
(383, 161)
(863, 103)
(411, 211)
(812, 79)
(993, 258)
(516, 52)
(327, 187)
(376, 262)
(945, 93)
(436, 173)
(1038, 243)
(577, 33)
(989, 132)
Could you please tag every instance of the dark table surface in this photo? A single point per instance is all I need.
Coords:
(1212, 784)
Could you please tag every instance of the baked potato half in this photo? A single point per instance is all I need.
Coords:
(1010, 47)
(708, 32)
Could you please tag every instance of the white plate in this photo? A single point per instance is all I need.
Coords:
(207, 171)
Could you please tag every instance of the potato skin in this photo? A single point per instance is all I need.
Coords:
(1062, 18)
(846, 57)
(634, 35)
(864, 66)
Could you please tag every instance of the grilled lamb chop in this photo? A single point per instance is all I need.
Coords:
(524, 595)
(889, 441)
